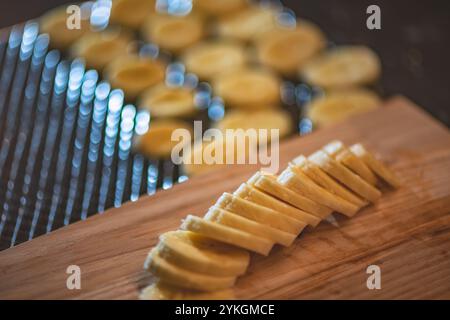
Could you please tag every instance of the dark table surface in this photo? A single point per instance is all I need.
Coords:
(413, 41)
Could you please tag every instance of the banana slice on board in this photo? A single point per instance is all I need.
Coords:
(227, 235)
(377, 166)
(157, 141)
(338, 151)
(209, 59)
(180, 277)
(325, 181)
(133, 74)
(337, 106)
(345, 176)
(247, 192)
(248, 88)
(163, 101)
(301, 183)
(269, 184)
(236, 221)
(197, 253)
(343, 67)
(286, 50)
(260, 214)
(219, 8)
(131, 13)
(162, 291)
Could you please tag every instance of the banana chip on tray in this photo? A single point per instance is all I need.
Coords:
(131, 13)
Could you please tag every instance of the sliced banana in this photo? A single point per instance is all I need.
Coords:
(286, 50)
(337, 106)
(163, 101)
(248, 192)
(204, 255)
(377, 166)
(157, 141)
(227, 235)
(338, 151)
(131, 13)
(343, 67)
(173, 33)
(162, 291)
(219, 8)
(133, 74)
(260, 214)
(209, 59)
(345, 176)
(248, 88)
(180, 277)
(269, 184)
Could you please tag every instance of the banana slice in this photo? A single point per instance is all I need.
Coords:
(101, 48)
(197, 253)
(168, 102)
(227, 235)
(173, 33)
(247, 192)
(219, 8)
(286, 50)
(248, 24)
(377, 166)
(276, 119)
(131, 13)
(269, 184)
(134, 75)
(299, 182)
(338, 151)
(260, 214)
(54, 23)
(162, 291)
(343, 67)
(337, 106)
(345, 176)
(232, 220)
(248, 88)
(325, 181)
(157, 141)
(180, 277)
(209, 59)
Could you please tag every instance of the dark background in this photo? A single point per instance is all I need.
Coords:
(413, 41)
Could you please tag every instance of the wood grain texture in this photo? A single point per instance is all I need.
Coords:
(407, 233)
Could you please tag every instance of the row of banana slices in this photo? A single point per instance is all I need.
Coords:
(203, 259)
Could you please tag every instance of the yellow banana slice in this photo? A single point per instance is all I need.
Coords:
(162, 291)
(219, 8)
(134, 75)
(338, 151)
(168, 102)
(260, 214)
(337, 106)
(131, 13)
(377, 166)
(247, 192)
(173, 33)
(236, 221)
(157, 141)
(209, 59)
(269, 184)
(345, 176)
(227, 235)
(101, 48)
(343, 67)
(197, 253)
(299, 182)
(248, 88)
(180, 277)
(286, 50)
(325, 181)
(276, 119)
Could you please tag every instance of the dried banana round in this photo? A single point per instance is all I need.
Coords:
(217, 8)
(343, 67)
(131, 13)
(162, 291)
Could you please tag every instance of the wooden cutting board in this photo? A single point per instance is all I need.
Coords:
(407, 233)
